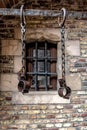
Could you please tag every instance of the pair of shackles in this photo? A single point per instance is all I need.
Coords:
(24, 86)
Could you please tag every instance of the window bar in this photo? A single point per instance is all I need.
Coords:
(36, 65)
(41, 73)
(46, 65)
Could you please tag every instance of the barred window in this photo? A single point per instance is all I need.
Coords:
(41, 59)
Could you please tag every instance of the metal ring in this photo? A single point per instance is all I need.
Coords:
(21, 85)
(68, 93)
(60, 91)
(64, 92)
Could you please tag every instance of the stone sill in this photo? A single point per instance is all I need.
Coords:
(38, 98)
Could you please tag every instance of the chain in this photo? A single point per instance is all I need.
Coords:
(23, 31)
(23, 85)
(62, 26)
(63, 51)
(64, 91)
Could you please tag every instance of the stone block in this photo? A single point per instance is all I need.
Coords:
(76, 119)
(17, 33)
(51, 107)
(72, 47)
(74, 81)
(84, 128)
(82, 92)
(71, 128)
(22, 121)
(84, 84)
(11, 47)
(62, 129)
(6, 64)
(58, 125)
(17, 64)
(59, 106)
(49, 125)
(67, 124)
(9, 82)
(33, 126)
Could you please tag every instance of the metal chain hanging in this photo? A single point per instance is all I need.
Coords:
(64, 91)
(23, 30)
(23, 84)
(63, 51)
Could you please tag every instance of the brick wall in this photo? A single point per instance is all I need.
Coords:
(48, 116)
(71, 116)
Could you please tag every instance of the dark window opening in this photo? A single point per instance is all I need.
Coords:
(41, 59)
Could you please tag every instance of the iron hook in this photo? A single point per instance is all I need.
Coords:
(22, 17)
(64, 17)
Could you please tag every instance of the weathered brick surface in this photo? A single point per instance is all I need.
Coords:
(77, 64)
(76, 51)
(71, 116)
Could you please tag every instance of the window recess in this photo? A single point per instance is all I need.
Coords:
(41, 59)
